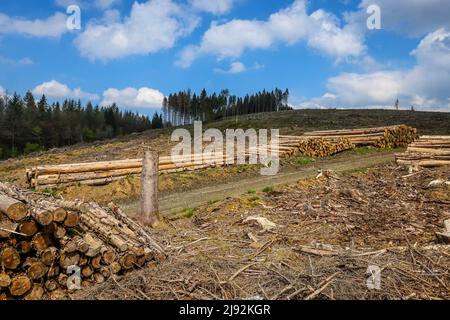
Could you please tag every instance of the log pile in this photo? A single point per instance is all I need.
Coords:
(382, 137)
(320, 147)
(101, 173)
(42, 238)
(104, 172)
(427, 152)
(326, 143)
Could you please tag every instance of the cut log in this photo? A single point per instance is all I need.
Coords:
(72, 219)
(28, 228)
(43, 217)
(7, 226)
(36, 293)
(20, 285)
(10, 258)
(59, 215)
(5, 280)
(69, 259)
(87, 271)
(53, 271)
(127, 261)
(49, 256)
(41, 242)
(51, 285)
(14, 209)
(37, 270)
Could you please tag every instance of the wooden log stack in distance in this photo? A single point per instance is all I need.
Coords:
(427, 152)
(41, 237)
(326, 143)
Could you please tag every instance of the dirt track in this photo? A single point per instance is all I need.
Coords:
(190, 199)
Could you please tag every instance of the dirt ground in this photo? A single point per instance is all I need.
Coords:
(319, 238)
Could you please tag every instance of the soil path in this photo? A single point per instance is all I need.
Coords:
(194, 198)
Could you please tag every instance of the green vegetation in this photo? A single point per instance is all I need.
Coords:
(268, 189)
(302, 161)
(251, 191)
(27, 126)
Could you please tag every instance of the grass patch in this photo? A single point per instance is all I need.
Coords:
(268, 189)
(303, 161)
(251, 191)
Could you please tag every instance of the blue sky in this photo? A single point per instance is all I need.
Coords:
(133, 53)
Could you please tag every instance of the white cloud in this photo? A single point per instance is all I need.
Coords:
(133, 98)
(55, 89)
(425, 86)
(98, 4)
(235, 68)
(52, 27)
(21, 62)
(321, 30)
(2, 91)
(151, 27)
(213, 6)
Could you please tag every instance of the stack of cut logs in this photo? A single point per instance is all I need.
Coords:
(427, 152)
(101, 173)
(326, 143)
(43, 240)
(313, 144)
(383, 137)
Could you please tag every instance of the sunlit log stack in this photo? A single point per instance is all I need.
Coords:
(427, 152)
(41, 237)
(100, 173)
(326, 143)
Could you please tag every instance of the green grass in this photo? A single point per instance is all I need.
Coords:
(302, 161)
(251, 191)
(268, 189)
(184, 213)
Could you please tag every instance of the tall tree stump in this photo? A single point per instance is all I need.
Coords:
(149, 213)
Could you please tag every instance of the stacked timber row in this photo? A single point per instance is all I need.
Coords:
(101, 173)
(427, 152)
(382, 137)
(44, 240)
(326, 143)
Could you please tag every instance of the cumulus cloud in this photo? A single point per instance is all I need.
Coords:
(151, 27)
(55, 89)
(52, 27)
(235, 68)
(133, 98)
(321, 30)
(2, 91)
(425, 85)
(213, 6)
